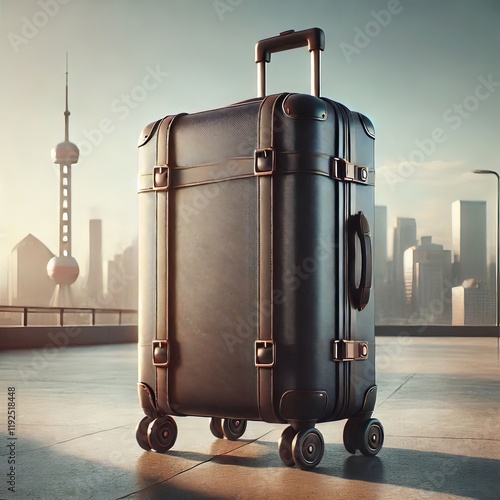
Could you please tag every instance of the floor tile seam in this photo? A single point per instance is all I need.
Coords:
(451, 438)
(66, 440)
(180, 473)
(396, 390)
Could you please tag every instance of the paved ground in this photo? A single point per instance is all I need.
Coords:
(76, 410)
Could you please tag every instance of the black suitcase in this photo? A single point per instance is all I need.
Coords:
(256, 266)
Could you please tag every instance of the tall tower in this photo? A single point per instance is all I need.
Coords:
(63, 269)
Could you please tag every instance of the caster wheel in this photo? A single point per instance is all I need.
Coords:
(351, 435)
(141, 433)
(371, 437)
(162, 433)
(285, 446)
(233, 428)
(308, 448)
(216, 427)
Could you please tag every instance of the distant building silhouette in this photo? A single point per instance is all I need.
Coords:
(380, 245)
(469, 241)
(122, 284)
(405, 236)
(427, 278)
(381, 279)
(29, 284)
(473, 304)
(95, 274)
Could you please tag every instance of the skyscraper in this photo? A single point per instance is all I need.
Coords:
(380, 244)
(427, 275)
(469, 241)
(29, 284)
(405, 236)
(95, 276)
(381, 279)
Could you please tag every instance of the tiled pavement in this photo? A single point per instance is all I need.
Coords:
(76, 411)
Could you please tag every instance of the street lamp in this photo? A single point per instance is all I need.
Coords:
(492, 172)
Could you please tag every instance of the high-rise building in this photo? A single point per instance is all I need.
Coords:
(405, 236)
(427, 279)
(63, 269)
(382, 282)
(95, 274)
(29, 284)
(122, 288)
(473, 304)
(469, 241)
(380, 245)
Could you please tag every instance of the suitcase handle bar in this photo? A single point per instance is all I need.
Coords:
(314, 38)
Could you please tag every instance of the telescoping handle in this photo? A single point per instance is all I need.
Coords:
(314, 38)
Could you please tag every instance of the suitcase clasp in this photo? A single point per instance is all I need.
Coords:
(161, 178)
(350, 350)
(264, 161)
(264, 353)
(344, 170)
(161, 353)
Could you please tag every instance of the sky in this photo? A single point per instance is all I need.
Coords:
(425, 71)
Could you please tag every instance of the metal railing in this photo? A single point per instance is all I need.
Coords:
(64, 316)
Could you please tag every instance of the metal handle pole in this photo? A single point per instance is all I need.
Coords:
(315, 72)
(261, 79)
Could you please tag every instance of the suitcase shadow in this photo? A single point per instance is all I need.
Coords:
(425, 471)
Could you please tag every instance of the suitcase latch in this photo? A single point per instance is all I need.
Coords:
(264, 353)
(161, 178)
(350, 350)
(350, 172)
(161, 353)
(264, 161)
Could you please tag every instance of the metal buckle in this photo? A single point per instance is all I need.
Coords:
(346, 171)
(264, 161)
(264, 353)
(161, 178)
(161, 353)
(350, 350)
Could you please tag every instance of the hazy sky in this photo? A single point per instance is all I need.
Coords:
(425, 71)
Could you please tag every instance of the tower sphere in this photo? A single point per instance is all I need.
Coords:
(65, 153)
(63, 270)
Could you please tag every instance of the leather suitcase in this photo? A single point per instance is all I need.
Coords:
(255, 268)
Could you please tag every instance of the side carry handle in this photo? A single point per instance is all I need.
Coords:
(359, 229)
(314, 38)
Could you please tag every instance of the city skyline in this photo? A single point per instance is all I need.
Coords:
(107, 282)
(430, 86)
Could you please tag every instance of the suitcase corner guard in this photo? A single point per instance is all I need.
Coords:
(350, 350)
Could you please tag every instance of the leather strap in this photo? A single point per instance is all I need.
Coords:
(161, 351)
(265, 372)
